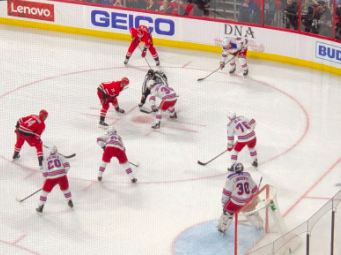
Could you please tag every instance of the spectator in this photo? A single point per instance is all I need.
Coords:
(118, 3)
(325, 22)
(136, 4)
(311, 20)
(269, 11)
(247, 12)
(338, 22)
(165, 7)
(291, 13)
(152, 5)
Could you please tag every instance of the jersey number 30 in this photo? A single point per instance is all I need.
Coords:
(243, 188)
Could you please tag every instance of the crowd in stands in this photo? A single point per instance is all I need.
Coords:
(316, 15)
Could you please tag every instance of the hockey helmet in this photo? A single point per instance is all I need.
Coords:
(125, 81)
(150, 73)
(231, 115)
(141, 29)
(150, 84)
(238, 168)
(43, 114)
(111, 130)
(226, 41)
(54, 149)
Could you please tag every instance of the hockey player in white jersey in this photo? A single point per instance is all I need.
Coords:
(244, 129)
(55, 168)
(158, 76)
(113, 146)
(239, 188)
(168, 100)
(237, 48)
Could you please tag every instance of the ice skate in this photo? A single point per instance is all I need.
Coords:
(232, 70)
(255, 163)
(156, 126)
(245, 72)
(16, 155)
(40, 209)
(157, 61)
(119, 110)
(134, 180)
(70, 204)
(99, 178)
(102, 124)
(174, 116)
(126, 61)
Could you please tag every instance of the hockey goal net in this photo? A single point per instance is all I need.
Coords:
(258, 223)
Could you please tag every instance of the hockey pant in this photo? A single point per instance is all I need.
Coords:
(240, 145)
(32, 141)
(133, 46)
(110, 152)
(49, 185)
(165, 106)
(242, 59)
(105, 103)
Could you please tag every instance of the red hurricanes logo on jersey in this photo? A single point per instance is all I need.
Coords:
(31, 10)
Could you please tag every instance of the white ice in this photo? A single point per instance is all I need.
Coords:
(298, 142)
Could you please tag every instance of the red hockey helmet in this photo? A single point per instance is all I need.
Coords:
(125, 81)
(43, 114)
(141, 30)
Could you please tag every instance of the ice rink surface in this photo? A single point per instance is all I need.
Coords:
(298, 133)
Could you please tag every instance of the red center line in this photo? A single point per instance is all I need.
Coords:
(186, 64)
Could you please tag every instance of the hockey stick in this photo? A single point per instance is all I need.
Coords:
(201, 79)
(21, 200)
(69, 156)
(135, 165)
(145, 57)
(203, 164)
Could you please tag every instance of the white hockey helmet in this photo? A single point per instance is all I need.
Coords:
(111, 130)
(54, 149)
(231, 115)
(150, 84)
(226, 41)
(238, 167)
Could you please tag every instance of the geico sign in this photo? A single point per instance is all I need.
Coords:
(31, 10)
(328, 52)
(125, 22)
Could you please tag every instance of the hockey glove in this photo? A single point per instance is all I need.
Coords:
(222, 65)
(154, 108)
(229, 147)
(144, 52)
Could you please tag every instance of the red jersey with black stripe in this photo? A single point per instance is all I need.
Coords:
(31, 125)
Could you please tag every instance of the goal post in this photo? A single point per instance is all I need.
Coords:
(259, 223)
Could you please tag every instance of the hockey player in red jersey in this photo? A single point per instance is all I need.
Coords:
(30, 129)
(142, 34)
(55, 169)
(107, 93)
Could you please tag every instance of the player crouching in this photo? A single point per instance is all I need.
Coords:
(112, 146)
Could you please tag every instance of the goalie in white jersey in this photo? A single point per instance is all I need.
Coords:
(237, 48)
(55, 168)
(244, 129)
(238, 190)
(168, 100)
(113, 146)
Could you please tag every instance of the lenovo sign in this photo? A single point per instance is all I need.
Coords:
(30, 10)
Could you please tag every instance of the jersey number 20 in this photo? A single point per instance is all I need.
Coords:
(54, 163)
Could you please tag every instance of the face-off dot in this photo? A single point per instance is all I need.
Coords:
(142, 119)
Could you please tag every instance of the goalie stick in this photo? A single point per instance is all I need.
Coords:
(201, 79)
(203, 164)
(69, 156)
(21, 200)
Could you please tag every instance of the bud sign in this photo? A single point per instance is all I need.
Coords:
(30, 10)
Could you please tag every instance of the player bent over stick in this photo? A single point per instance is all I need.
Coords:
(235, 47)
(238, 189)
(55, 170)
(30, 129)
(107, 93)
(244, 129)
(112, 145)
(168, 97)
(142, 34)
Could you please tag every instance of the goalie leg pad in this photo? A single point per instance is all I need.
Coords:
(224, 222)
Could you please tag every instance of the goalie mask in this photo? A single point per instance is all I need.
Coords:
(111, 130)
(238, 168)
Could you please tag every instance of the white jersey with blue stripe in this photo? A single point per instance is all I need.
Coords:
(239, 188)
(55, 165)
(162, 91)
(242, 127)
(111, 140)
(237, 44)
